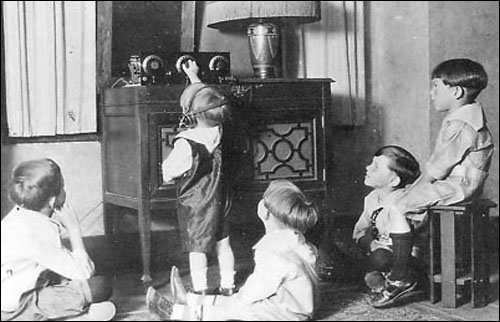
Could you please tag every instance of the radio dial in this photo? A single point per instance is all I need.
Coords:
(219, 63)
(152, 65)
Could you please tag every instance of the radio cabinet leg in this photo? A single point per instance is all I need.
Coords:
(144, 214)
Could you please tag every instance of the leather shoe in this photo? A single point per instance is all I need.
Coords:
(160, 304)
(177, 287)
(393, 291)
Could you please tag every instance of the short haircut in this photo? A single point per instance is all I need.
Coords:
(462, 72)
(210, 103)
(403, 163)
(34, 182)
(286, 202)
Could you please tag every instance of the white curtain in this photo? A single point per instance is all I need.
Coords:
(50, 67)
(334, 48)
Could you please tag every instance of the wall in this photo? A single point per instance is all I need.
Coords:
(399, 77)
(80, 163)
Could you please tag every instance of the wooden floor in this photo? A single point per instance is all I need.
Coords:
(122, 258)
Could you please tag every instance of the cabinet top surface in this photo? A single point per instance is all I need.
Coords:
(179, 87)
(286, 80)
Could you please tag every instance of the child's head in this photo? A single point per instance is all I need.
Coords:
(392, 167)
(204, 104)
(462, 77)
(35, 183)
(288, 204)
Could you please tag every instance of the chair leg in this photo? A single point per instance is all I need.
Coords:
(448, 255)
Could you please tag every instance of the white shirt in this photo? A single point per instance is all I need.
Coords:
(31, 243)
(462, 155)
(180, 158)
(373, 201)
(284, 282)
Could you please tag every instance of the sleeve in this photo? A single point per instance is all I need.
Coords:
(268, 275)
(70, 264)
(363, 224)
(178, 161)
(456, 140)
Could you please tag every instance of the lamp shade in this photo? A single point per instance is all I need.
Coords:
(262, 20)
(231, 15)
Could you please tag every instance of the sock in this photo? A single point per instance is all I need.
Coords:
(199, 279)
(226, 263)
(227, 279)
(198, 270)
(402, 245)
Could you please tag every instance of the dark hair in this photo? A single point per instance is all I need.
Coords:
(402, 162)
(207, 102)
(290, 206)
(34, 182)
(462, 72)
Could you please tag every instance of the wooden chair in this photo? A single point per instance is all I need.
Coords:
(459, 252)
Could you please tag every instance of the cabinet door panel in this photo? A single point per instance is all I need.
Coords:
(120, 158)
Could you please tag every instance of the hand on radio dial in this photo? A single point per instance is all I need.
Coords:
(190, 67)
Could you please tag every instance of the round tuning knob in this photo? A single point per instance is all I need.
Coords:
(219, 63)
(181, 60)
(152, 65)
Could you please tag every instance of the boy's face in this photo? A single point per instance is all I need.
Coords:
(378, 174)
(442, 95)
(262, 211)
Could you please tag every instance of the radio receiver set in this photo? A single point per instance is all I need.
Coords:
(214, 68)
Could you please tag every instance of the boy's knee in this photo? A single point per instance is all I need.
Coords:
(101, 288)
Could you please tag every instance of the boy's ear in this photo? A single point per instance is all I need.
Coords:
(52, 202)
(459, 92)
(395, 181)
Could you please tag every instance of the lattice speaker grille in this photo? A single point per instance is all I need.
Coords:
(285, 150)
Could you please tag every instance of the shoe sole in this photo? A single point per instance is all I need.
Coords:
(396, 298)
(150, 295)
(102, 311)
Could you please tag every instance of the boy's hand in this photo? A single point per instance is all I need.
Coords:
(67, 217)
(191, 69)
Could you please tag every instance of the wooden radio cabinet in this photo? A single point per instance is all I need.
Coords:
(280, 128)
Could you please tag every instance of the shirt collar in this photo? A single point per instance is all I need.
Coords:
(386, 199)
(208, 136)
(36, 217)
(280, 240)
(471, 114)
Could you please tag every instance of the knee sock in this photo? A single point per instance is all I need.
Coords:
(225, 257)
(227, 278)
(401, 246)
(198, 270)
(226, 266)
